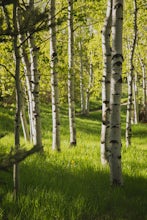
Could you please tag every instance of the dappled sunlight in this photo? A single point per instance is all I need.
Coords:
(73, 182)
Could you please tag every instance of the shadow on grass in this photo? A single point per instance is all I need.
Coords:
(89, 124)
(78, 193)
(7, 124)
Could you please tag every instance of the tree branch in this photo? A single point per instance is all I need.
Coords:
(7, 160)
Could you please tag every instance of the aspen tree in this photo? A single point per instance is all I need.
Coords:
(54, 80)
(22, 111)
(88, 90)
(130, 81)
(18, 97)
(71, 99)
(144, 82)
(115, 94)
(27, 73)
(81, 78)
(135, 95)
(105, 129)
(35, 77)
(23, 116)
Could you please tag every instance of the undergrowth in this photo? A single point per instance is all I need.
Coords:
(72, 184)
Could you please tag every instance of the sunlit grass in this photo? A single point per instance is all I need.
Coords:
(72, 184)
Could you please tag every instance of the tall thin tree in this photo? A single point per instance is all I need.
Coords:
(106, 46)
(130, 81)
(18, 96)
(35, 79)
(89, 87)
(71, 98)
(82, 94)
(144, 83)
(54, 79)
(115, 94)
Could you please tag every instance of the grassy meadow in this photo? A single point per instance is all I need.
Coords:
(72, 184)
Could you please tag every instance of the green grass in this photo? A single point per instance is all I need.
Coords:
(72, 184)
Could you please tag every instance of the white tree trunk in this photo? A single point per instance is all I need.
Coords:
(23, 117)
(115, 95)
(135, 94)
(105, 129)
(22, 111)
(54, 80)
(35, 78)
(27, 72)
(81, 78)
(88, 90)
(144, 83)
(18, 97)
(130, 82)
(71, 99)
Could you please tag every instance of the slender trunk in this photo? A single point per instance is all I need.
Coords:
(81, 79)
(130, 82)
(71, 99)
(105, 129)
(23, 117)
(54, 81)
(35, 77)
(88, 90)
(144, 109)
(135, 94)
(22, 111)
(18, 98)
(27, 72)
(144, 83)
(115, 94)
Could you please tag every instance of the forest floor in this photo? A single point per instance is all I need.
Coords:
(72, 184)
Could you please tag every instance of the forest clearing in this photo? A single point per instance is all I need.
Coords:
(73, 184)
(73, 110)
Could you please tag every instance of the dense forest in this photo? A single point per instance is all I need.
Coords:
(73, 109)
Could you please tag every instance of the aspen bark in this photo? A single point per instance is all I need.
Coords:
(22, 111)
(71, 99)
(130, 82)
(144, 83)
(35, 78)
(81, 79)
(54, 80)
(18, 98)
(27, 72)
(115, 94)
(23, 117)
(135, 95)
(105, 128)
(88, 90)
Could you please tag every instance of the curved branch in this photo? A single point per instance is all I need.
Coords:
(7, 160)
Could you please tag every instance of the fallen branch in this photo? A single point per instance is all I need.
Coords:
(8, 160)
